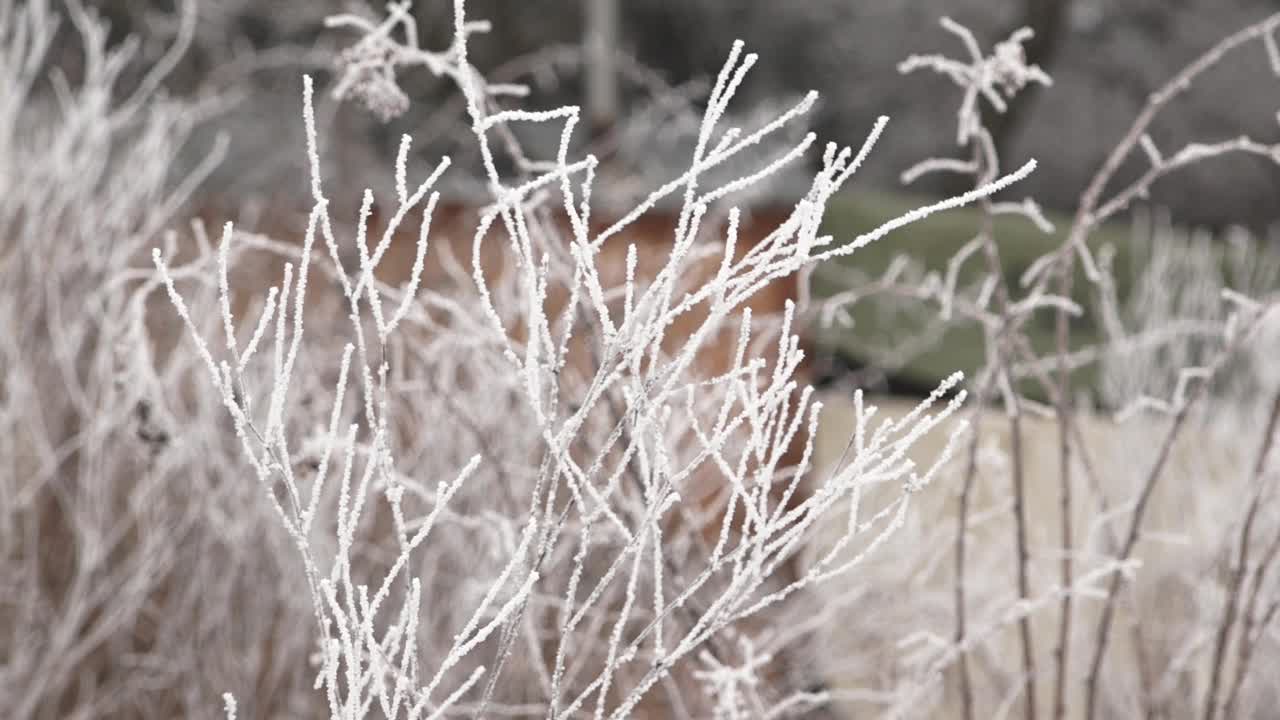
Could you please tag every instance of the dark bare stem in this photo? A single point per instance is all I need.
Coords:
(1086, 216)
(1085, 220)
(1062, 649)
(1069, 424)
(1188, 156)
(1241, 566)
(985, 158)
(1143, 660)
(1252, 625)
(1072, 425)
(1024, 580)
(1180, 418)
(1178, 85)
(1246, 659)
(962, 528)
(1126, 550)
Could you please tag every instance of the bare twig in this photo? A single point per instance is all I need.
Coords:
(1211, 699)
(1182, 413)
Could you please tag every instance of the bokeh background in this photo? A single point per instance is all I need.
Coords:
(1105, 58)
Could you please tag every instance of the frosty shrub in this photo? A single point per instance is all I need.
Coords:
(534, 454)
(550, 544)
(1046, 583)
(129, 556)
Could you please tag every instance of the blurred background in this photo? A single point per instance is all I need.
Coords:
(1105, 59)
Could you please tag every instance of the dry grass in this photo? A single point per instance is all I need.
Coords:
(1174, 603)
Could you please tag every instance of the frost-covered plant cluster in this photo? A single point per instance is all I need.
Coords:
(620, 521)
(548, 472)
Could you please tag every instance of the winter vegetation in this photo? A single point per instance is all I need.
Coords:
(531, 431)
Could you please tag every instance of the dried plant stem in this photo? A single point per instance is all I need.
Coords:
(1102, 635)
(1007, 338)
(1179, 84)
(1180, 416)
(1143, 661)
(1072, 425)
(1062, 403)
(1087, 216)
(1241, 568)
(985, 158)
(1086, 219)
(1253, 625)
(1024, 580)
(962, 529)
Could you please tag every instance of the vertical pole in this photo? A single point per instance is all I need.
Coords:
(600, 69)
